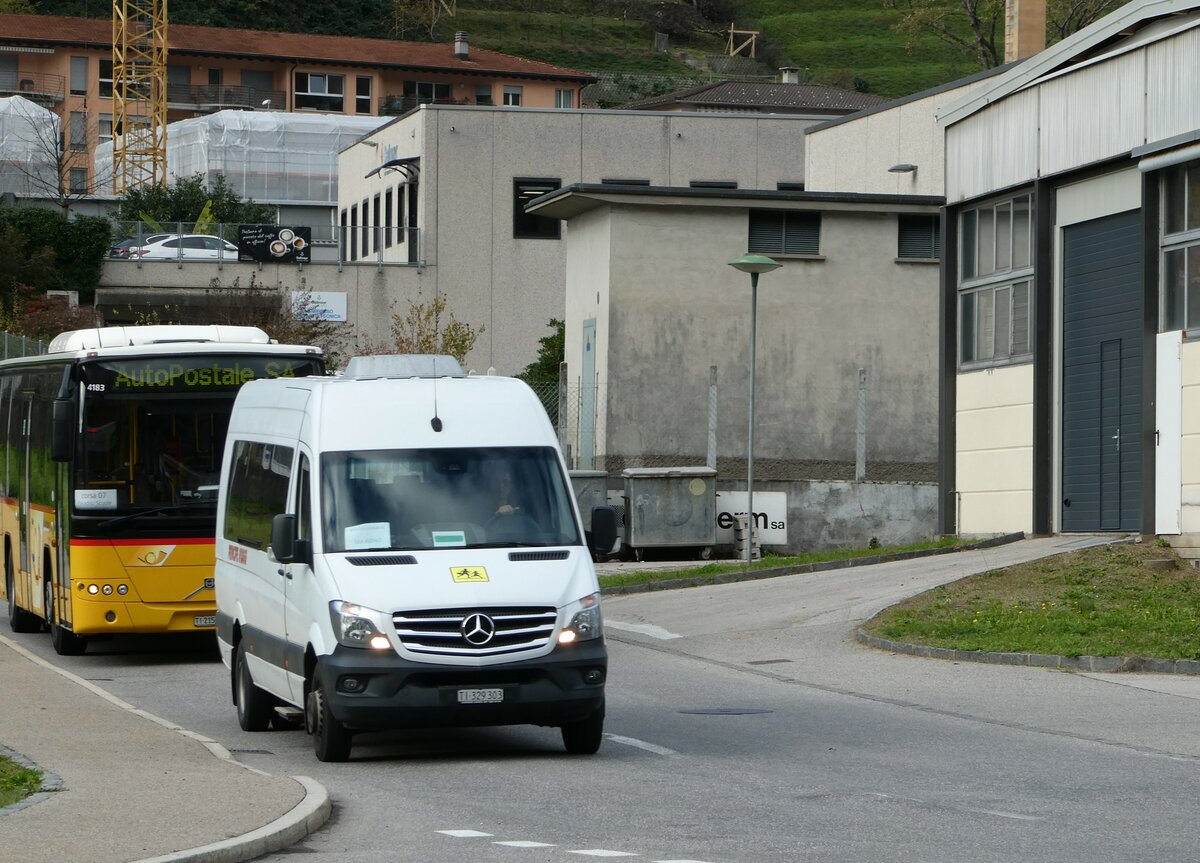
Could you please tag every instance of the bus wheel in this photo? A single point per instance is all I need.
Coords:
(66, 643)
(19, 619)
(331, 739)
(254, 707)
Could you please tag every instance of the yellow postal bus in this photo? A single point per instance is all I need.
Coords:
(110, 455)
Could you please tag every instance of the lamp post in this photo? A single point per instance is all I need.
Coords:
(755, 265)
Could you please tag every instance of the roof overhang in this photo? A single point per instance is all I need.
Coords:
(579, 198)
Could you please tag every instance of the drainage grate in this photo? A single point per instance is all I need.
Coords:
(251, 752)
(725, 711)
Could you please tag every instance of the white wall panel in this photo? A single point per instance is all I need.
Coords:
(1092, 114)
(993, 149)
(1172, 70)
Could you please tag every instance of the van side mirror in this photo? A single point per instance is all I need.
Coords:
(604, 530)
(62, 424)
(286, 547)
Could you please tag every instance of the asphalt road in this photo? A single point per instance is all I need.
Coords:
(746, 725)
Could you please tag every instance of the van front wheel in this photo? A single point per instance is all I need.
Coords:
(331, 739)
(254, 707)
(583, 737)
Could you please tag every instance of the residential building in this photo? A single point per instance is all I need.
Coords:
(786, 96)
(65, 64)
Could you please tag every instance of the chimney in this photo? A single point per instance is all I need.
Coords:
(462, 50)
(789, 74)
(1024, 28)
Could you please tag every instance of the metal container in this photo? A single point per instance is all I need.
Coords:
(670, 507)
(591, 489)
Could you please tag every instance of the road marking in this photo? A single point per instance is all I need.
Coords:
(1014, 815)
(641, 744)
(464, 834)
(600, 852)
(518, 843)
(644, 629)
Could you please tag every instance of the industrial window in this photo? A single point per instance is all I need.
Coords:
(527, 225)
(401, 224)
(564, 98)
(79, 76)
(918, 237)
(996, 282)
(77, 181)
(388, 219)
(375, 204)
(105, 79)
(106, 129)
(713, 184)
(619, 181)
(483, 94)
(789, 186)
(320, 92)
(366, 227)
(995, 323)
(362, 94)
(354, 233)
(1180, 244)
(342, 237)
(784, 232)
(512, 94)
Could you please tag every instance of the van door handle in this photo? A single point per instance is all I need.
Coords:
(284, 572)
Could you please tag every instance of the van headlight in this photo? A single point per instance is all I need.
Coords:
(358, 626)
(584, 621)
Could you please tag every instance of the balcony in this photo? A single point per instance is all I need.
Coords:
(40, 87)
(205, 99)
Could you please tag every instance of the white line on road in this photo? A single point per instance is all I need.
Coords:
(644, 629)
(518, 843)
(464, 834)
(600, 852)
(641, 744)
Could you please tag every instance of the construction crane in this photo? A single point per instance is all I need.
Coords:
(139, 93)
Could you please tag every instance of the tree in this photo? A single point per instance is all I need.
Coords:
(45, 250)
(421, 15)
(34, 315)
(55, 165)
(186, 199)
(17, 7)
(552, 350)
(977, 26)
(428, 328)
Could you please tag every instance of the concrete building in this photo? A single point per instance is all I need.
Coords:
(1071, 286)
(65, 64)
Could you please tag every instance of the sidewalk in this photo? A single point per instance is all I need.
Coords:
(123, 785)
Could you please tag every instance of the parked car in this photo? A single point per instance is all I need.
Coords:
(122, 249)
(189, 247)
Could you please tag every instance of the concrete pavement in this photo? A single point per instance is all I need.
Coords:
(123, 785)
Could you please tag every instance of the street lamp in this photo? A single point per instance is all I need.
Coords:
(755, 265)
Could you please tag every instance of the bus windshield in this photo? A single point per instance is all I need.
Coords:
(152, 431)
(445, 498)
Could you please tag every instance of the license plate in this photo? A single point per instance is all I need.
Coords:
(480, 696)
(205, 620)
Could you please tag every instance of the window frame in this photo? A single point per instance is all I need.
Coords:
(787, 237)
(1179, 235)
(104, 83)
(513, 95)
(361, 106)
(527, 226)
(934, 223)
(323, 100)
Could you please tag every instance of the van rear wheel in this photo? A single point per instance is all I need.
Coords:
(254, 707)
(331, 739)
(583, 737)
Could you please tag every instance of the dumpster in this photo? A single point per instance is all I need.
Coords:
(591, 489)
(670, 507)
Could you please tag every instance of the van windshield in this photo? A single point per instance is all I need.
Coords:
(445, 498)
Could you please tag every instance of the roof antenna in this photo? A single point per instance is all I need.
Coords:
(436, 422)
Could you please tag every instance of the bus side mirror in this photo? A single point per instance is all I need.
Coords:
(285, 546)
(62, 437)
(604, 530)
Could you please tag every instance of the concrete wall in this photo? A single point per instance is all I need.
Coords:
(469, 157)
(819, 321)
(827, 515)
(1189, 354)
(994, 458)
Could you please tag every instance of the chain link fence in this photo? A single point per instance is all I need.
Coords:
(831, 420)
(16, 345)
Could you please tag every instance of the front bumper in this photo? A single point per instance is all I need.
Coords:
(393, 692)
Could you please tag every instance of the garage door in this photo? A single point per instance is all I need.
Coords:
(1102, 374)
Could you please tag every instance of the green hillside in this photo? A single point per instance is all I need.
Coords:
(851, 43)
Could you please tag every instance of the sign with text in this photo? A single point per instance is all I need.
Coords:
(274, 244)
(770, 516)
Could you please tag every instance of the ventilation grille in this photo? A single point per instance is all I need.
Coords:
(475, 631)
(521, 556)
(389, 560)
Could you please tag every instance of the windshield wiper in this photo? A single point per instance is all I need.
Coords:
(158, 510)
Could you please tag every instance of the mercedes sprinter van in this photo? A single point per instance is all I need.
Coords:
(400, 547)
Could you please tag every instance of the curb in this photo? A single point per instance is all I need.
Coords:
(803, 568)
(306, 817)
(1110, 664)
(51, 782)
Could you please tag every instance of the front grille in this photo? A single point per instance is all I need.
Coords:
(388, 560)
(440, 631)
(525, 556)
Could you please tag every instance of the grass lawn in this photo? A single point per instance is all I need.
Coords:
(1134, 599)
(16, 782)
(725, 567)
